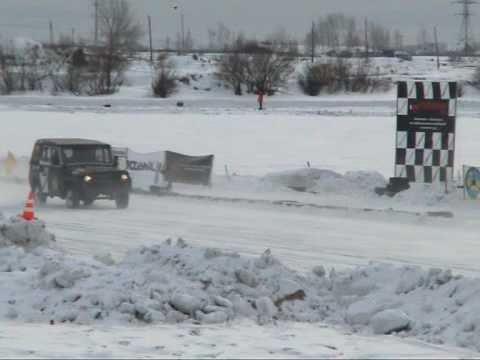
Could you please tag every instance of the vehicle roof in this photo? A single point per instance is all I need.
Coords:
(70, 142)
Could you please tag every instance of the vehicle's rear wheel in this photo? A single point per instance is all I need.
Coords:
(88, 202)
(72, 200)
(40, 198)
(122, 200)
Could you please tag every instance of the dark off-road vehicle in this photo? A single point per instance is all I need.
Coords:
(77, 170)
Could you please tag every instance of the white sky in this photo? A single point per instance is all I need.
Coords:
(30, 18)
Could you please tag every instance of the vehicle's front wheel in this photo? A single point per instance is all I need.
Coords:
(40, 198)
(122, 200)
(72, 200)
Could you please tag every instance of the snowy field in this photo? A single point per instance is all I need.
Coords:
(383, 250)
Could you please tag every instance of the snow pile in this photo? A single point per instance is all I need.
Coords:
(27, 234)
(162, 283)
(170, 283)
(327, 181)
(428, 194)
(432, 305)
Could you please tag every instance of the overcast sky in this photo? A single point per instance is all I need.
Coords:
(29, 18)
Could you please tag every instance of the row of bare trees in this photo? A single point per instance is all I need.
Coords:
(335, 76)
(339, 30)
(100, 71)
(248, 66)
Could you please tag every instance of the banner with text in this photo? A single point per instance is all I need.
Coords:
(187, 169)
(425, 139)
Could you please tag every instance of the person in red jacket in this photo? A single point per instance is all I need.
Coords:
(260, 100)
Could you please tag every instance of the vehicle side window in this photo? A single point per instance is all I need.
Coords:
(45, 154)
(99, 155)
(36, 154)
(68, 153)
(107, 156)
(54, 156)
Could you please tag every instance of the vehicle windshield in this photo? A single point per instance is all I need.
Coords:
(87, 155)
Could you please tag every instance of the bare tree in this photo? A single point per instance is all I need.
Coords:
(352, 38)
(398, 40)
(232, 69)
(256, 67)
(165, 82)
(379, 37)
(119, 34)
(268, 70)
(334, 30)
(168, 42)
(189, 44)
(212, 35)
(7, 73)
(178, 42)
(280, 39)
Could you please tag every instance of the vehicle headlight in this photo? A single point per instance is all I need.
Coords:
(124, 177)
(88, 178)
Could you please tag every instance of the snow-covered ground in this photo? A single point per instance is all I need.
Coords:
(172, 299)
(338, 223)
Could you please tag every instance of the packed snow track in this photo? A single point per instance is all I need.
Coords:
(300, 237)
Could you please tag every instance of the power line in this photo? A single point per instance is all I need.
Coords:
(466, 15)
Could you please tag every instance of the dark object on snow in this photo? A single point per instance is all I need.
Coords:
(298, 188)
(107, 105)
(186, 169)
(395, 186)
(77, 170)
(297, 295)
(180, 104)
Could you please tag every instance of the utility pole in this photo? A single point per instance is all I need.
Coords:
(50, 25)
(182, 20)
(313, 42)
(96, 21)
(466, 15)
(150, 38)
(73, 36)
(366, 40)
(436, 47)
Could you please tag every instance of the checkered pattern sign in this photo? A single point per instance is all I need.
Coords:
(425, 145)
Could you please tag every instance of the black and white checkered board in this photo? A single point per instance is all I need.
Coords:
(425, 145)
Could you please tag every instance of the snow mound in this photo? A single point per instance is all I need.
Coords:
(174, 282)
(389, 321)
(427, 194)
(161, 283)
(27, 234)
(327, 181)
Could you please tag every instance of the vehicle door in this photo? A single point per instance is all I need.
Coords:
(55, 173)
(33, 175)
(43, 168)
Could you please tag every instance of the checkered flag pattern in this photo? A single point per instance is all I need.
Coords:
(425, 153)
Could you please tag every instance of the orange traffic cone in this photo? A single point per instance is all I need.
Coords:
(28, 211)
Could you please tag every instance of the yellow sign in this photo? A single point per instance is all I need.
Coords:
(10, 164)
